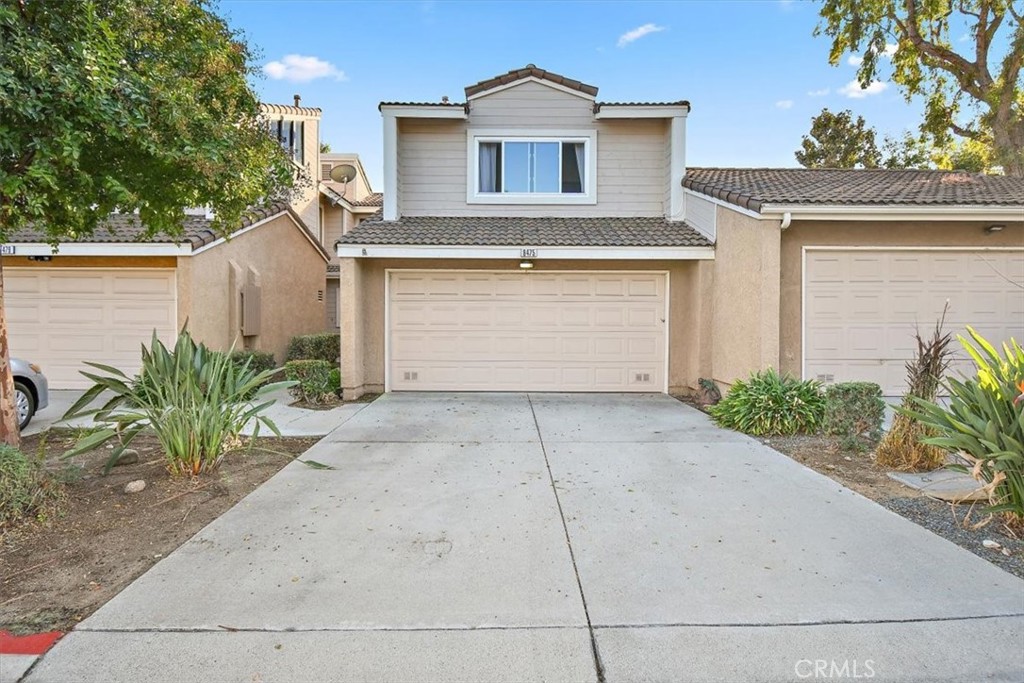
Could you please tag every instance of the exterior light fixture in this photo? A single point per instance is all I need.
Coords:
(994, 228)
(43, 259)
(526, 265)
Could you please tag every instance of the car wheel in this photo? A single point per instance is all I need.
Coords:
(24, 403)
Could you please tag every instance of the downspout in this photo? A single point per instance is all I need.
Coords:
(787, 218)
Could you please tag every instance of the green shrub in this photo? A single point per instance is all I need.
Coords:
(197, 401)
(315, 381)
(770, 404)
(985, 423)
(26, 488)
(853, 410)
(259, 361)
(325, 347)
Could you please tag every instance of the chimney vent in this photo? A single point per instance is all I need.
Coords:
(444, 99)
(298, 101)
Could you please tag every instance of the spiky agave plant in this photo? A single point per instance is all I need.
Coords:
(196, 401)
(902, 448)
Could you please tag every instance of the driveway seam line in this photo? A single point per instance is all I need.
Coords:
(824, 622)
(598, 665)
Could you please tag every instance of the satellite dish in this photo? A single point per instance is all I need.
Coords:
(343, 173)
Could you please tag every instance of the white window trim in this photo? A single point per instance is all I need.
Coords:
(475, 135)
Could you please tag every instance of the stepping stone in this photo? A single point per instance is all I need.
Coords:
(943, 484)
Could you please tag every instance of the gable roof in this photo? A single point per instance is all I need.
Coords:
(467, 231)
(530, 71)
(197, 231)
(753, 188)
(372, 199)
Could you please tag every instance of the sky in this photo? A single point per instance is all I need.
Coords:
(753, 71)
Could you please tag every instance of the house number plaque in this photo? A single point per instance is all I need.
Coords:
(528, 253)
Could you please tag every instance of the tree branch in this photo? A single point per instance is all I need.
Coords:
(971, 78)
(965, 132)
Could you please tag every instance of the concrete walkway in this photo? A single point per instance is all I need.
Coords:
(512, 537)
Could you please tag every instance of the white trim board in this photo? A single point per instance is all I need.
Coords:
(414, 111)
(640, 111)
(516, 253)
(804, 250)
(387, 304)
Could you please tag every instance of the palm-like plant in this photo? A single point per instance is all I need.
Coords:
(196, 401)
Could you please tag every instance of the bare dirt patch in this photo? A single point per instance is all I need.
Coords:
(56, 572)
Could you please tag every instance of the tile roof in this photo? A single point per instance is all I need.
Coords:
(525, 232)
(372, 199)
(526, 72)
(678, 103)
(126, 228)
(422, 104)
(751, 188)
(267, 108)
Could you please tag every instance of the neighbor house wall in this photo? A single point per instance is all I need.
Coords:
(866, 234)
(744, 290)
(632, 156)
(363, 324)
(291, 276)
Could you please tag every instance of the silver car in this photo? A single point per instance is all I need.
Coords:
(31, 391)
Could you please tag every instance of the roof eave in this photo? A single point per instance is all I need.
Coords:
(891, 212)
(510, 252)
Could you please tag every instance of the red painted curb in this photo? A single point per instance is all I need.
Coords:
(32, 644)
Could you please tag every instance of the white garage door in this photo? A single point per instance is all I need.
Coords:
(514, 331)
(861, 307)
(60, 317)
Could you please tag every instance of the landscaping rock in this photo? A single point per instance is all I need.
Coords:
(129, 456)
(990, 544)
(136, 486)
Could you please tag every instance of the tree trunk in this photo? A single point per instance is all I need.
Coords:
(9, 432)
(1008, 145)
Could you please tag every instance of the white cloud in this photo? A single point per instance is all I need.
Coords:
(638, 33)
(854, 91)
(889, 50)
(302, 69)
(784, 104)
(819, 93)
(854, 60)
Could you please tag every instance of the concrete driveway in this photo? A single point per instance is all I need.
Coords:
(517, 537)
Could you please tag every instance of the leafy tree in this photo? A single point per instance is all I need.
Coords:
(138, 105)
(905, 151)
(908, 151)
(984, 81)
(839, 141)
(325, 148)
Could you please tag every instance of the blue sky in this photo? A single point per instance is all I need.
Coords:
(753, 71)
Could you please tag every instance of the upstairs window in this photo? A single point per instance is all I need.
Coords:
(532, 167)
(290, 136)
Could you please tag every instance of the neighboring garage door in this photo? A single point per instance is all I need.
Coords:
(60, 317)
(527, 331)
(861, 307)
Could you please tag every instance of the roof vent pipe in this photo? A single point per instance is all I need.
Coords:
(787, 218)
(297, 100)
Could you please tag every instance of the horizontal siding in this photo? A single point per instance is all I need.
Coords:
(532, 105)
(632, 162)
(700, 213)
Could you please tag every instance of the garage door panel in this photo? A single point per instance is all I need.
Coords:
(60, 318)
(860, 326)
(527, 331)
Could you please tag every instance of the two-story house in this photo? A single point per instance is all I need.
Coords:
(536, 238)
(531, 238)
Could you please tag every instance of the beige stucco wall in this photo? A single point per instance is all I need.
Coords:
(363, 327)
(632, 156)
(291, 276)
(862, 233)
(744, 290)
(306, 199)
